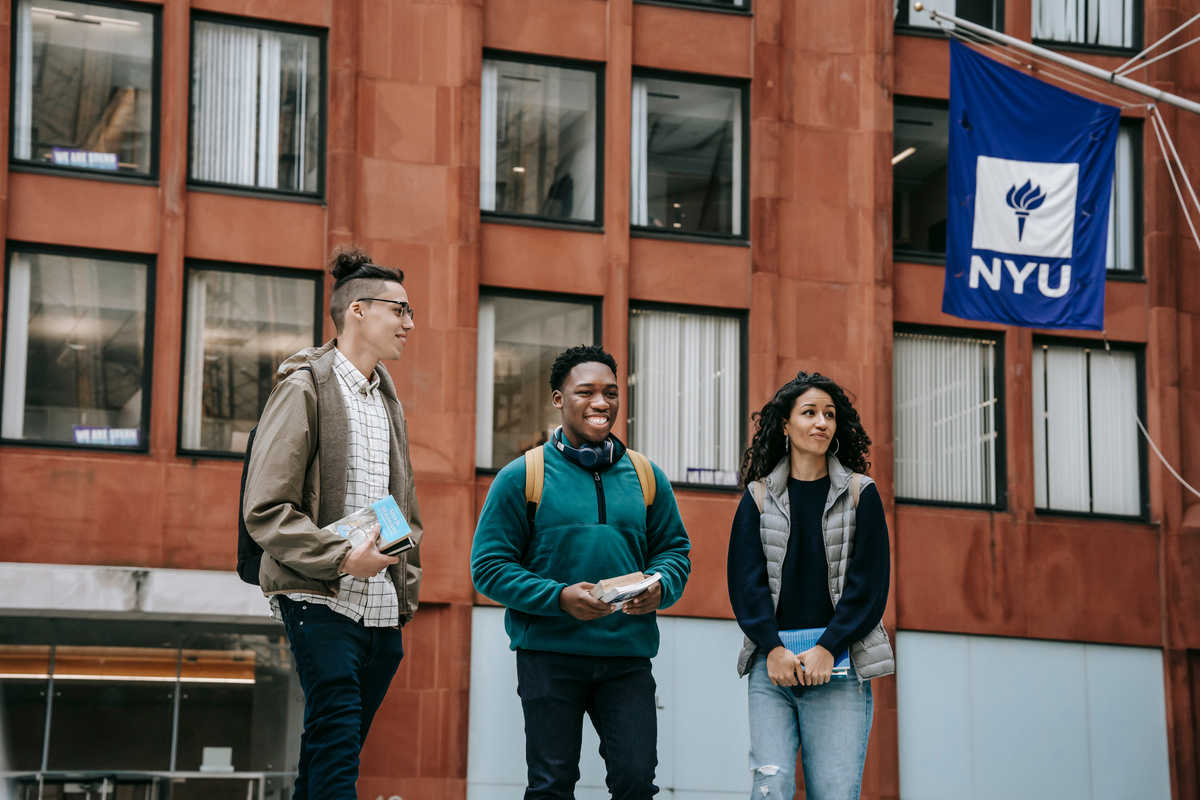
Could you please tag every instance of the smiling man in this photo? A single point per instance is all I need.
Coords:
(575, 654)
(332, 439)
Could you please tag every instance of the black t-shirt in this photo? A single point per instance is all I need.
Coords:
(804, 600)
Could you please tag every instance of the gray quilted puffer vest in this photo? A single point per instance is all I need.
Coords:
(872, 657)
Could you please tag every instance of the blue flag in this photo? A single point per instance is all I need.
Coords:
(1029, 187)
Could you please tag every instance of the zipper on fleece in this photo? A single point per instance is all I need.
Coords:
(600, 498)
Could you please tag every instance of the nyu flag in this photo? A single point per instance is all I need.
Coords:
(1029, 187)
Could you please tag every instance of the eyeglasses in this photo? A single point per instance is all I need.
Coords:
(405, 309)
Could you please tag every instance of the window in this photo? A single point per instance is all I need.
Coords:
(989, 13)
(685, 392)
(1105, 23)
(1086, 449)
(688, 156)
(76, 349)
(921, 145)
(84, 86)
(141, 697)
(519, 337)
(737, 5)
(947, 398)
(539, 141)
(239, 327)
(1090, 721)
(257, 107)
(1124, 218)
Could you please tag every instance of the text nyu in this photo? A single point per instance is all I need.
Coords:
(1019, 275)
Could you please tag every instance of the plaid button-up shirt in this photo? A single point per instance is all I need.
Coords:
(368, 471)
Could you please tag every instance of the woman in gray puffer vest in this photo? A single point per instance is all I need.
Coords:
(808, 580)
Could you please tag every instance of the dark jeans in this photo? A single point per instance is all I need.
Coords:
(617, 693)
(345, 669)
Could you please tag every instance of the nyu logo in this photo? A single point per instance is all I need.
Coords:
(1004, 187)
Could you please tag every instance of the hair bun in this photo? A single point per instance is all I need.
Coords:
(347, 260)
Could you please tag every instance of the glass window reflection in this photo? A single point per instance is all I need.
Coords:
(919, 164)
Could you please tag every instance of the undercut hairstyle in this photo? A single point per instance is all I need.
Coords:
(850, 444)
(355, 277)
(569, 359)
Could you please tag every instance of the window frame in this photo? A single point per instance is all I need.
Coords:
(597, 68)
(150, 261)
(906, 255)
(150, 177)
(322, 35)
(907, 29)
(736, 239)
(742, 315)
(318, 279)
(698, 5)
(1137, 274)
(1001, 414)
(1139, 33)
(1139, 351)
(595, 301)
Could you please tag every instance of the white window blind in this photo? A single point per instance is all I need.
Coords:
(1121, 254)
(685, 377)
(1085, 445)
(254, 107)
(1100, 22)
(945, 417)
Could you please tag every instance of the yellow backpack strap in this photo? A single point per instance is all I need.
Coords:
(645, 473)
(758, 491)
(856, 487)
(535, 475)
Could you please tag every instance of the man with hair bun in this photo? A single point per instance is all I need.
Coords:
(333, 439)
(595, 519)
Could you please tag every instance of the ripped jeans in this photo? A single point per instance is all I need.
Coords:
(829, 724)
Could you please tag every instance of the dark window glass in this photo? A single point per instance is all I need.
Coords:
(539, 141)
(75, 350)
(685, 379)
(256, 107)
(919, 161)
(740, 5)
(519, 338)
(239, 328)
(83, 78)
(23, 671)
(1106, 23)
(687, 157)
(989, 13)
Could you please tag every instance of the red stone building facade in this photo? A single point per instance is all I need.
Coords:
(811, 277)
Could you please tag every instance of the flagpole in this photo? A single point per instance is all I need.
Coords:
(1066, 61)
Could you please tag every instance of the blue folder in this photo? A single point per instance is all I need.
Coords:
(802, 639)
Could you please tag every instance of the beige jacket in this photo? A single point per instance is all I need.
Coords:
(296, 482)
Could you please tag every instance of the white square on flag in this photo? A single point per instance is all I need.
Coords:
(1025, 207)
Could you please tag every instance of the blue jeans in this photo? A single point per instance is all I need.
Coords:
(345, 669)
(556, 690)
(832, 723)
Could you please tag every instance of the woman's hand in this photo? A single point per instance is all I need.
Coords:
(782, 666)
(817, 665)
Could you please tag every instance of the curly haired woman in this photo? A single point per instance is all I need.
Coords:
(809, 550)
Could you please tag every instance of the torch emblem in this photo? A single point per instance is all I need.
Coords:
(1023, 200)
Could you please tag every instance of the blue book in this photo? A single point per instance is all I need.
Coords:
(802, 639)
(384, 520)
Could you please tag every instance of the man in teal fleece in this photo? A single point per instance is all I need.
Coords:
(576, 655)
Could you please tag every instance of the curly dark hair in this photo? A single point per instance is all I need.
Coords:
(574, 356)
(355, 275)
(851, 443)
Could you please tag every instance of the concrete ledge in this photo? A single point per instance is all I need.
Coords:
(125, 592)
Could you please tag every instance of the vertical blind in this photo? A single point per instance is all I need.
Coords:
(1085, 445)
(251, 107)
(1100, 22)
(1121, 229)
(945, 417)
(684, 393)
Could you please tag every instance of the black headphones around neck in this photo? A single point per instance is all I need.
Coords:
(589, 455)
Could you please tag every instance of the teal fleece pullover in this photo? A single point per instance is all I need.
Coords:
(589, 526)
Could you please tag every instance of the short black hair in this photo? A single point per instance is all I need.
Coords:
(574, 356)
(355, 276)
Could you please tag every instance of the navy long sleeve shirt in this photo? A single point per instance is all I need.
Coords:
(804, 600)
